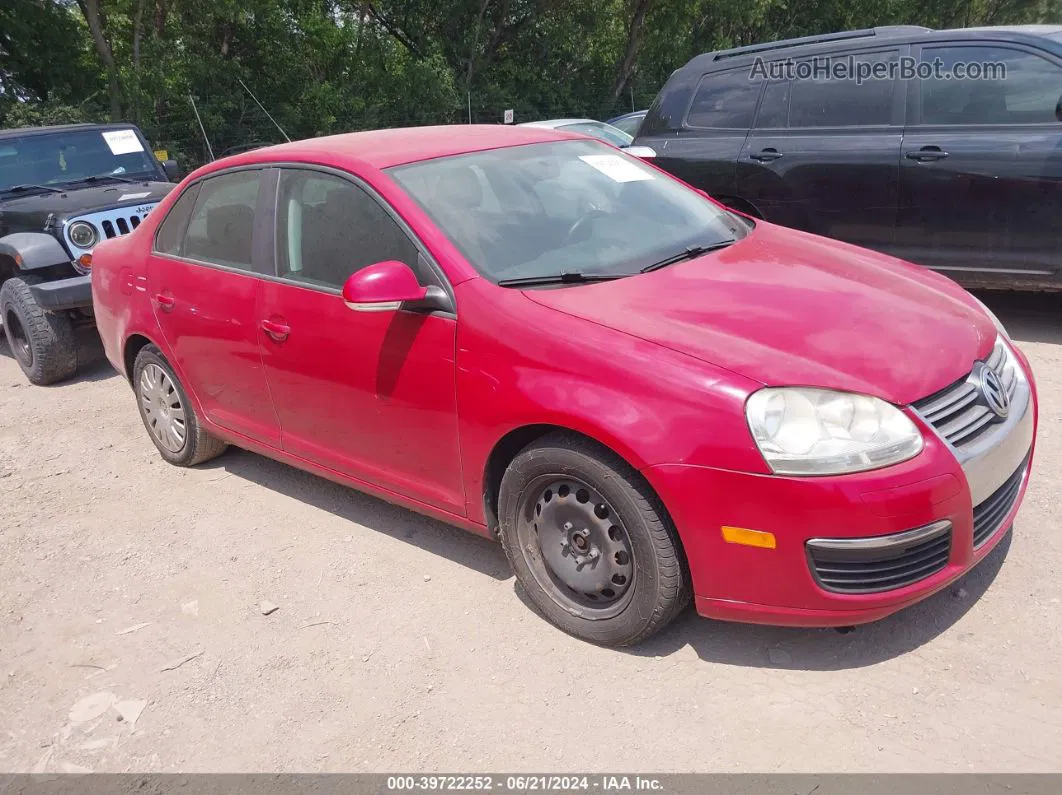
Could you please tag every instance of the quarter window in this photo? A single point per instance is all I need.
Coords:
(844, 101)
(1027, 93)
(724, 101)
(222, 224)
(171, 230)
(328, 228)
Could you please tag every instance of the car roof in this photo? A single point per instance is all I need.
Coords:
(394, 147)
(894, 34)
(20, 132)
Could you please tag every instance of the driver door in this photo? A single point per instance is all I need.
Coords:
(368, 394)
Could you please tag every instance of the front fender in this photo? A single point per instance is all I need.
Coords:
(33, 250)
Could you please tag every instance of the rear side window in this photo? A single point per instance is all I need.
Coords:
(1006, 87)
(222, 224)
(724, 101)
(774, 107)
(844, 102)
(171, 230)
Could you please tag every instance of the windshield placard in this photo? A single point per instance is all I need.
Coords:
(616, 168)
(122, 142)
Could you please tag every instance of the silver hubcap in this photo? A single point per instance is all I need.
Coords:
(162, 408)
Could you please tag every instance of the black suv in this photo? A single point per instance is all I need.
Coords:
(941, 156)
(62, 190)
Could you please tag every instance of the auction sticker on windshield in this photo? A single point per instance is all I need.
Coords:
(122, 142)
(616, 168)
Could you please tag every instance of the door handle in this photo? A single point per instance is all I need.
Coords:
(766, 155)
(277, 329)
(165, 301)
(926, 154)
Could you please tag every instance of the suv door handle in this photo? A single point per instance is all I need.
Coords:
(926, 154)
(165, 301)
(277, 329)
(766, 155)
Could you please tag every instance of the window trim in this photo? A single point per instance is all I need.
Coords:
(274, 214)
(693, 97)
(914, 91)
(256, 228)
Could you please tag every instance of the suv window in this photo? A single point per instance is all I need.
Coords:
(222, 223)
(844, 102)
(171, 230)
(724, 101)
(328, 228)
(1027, 94)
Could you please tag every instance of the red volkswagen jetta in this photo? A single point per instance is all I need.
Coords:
(542, 339)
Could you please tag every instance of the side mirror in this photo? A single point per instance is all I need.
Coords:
(382, 287)
(640, 151)
(170, 167)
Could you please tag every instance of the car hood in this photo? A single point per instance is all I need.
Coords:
(81, 200)
(787, 308)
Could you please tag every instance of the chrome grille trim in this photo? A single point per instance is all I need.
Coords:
(109, 223)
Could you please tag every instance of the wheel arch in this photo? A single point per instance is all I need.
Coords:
(132, 346)
(31, 251)
(516, 439)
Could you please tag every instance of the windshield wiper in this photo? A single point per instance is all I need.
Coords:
(28, 186)
(568, 277)
(99, 177)
(688, 253)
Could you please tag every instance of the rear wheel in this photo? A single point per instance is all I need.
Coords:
(590, 543)
(168, 415)
(43, 343)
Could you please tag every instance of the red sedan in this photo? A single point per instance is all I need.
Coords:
(537, 337)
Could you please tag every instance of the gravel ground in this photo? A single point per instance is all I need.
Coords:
(132, 636)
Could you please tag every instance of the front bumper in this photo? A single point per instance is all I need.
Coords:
(72, 293)
(780, 586)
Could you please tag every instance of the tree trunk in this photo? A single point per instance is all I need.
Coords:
(634, 40)
(91, 10)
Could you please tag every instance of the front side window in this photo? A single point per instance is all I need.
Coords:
(724, 101)
(74, 155)
(328, 228)
(844, 101)
(565, 206)
(990, 85)
(222, 224)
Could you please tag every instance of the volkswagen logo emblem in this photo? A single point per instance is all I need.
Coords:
(993, 392)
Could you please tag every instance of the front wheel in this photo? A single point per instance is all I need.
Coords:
(42, 342)
(590, 543)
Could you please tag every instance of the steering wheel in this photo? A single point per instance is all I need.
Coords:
(582, 223)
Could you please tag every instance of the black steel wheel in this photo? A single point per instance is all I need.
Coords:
(590, 542)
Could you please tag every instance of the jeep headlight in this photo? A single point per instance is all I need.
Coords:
(805, 431)
(83, 234)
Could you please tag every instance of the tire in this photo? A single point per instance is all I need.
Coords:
(43, 343)
(627, 577)
(162, 401)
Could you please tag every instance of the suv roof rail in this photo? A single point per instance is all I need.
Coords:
(883, 31)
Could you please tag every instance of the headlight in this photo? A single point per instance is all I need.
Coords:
(83, 234)
(999, 326)
(805, 431)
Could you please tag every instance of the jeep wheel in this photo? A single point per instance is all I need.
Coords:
(167, 413)
(43, 343)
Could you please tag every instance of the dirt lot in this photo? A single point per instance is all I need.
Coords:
(402, 644)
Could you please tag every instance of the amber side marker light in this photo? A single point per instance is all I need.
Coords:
(749, 538)
(85, 260)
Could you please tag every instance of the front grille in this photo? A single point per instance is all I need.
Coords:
(958, 412)
(988, 515)
(122, 225)
(110, 224)
(880, 563)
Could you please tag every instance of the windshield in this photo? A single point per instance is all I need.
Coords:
(604, 132)
(70, 155)
(562, 207)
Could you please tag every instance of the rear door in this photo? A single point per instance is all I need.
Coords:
(982, 164)
(204, 281)
(824, 153)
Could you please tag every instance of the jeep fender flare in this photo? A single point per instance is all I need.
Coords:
(31, 251)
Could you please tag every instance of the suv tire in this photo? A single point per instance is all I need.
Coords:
(43, 343)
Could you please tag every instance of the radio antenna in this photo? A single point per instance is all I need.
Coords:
(210, 149)
(266, 112)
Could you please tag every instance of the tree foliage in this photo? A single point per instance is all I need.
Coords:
(326, 66)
